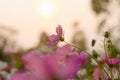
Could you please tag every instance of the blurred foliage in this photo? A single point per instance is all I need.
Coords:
(7, 43)
(99, 6)
(89, 68)
(78, 37)
(42, 45)
(101, 26)
(102, 7)
(109, 46)
(79, 40)
(3, 44)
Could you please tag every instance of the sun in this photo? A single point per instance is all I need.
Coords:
(46, 8)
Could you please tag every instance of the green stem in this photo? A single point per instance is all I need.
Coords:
(118, 73)
(111, 46)
(110, 41)
(105, 45)
(111, 74)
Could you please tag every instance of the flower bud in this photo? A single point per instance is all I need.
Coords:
(107, 34)
(94, 53)
(93, 42)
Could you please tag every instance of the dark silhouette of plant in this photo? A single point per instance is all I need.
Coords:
(42, 45)
(78, 37)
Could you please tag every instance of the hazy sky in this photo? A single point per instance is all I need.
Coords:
(26, 18)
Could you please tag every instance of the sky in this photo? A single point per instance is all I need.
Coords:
(25, 17)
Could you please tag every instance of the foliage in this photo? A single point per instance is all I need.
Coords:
(103, 8)
(68, 62)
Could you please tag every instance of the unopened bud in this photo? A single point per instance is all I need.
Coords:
(94, 53)
(93, 42)
(106, 35)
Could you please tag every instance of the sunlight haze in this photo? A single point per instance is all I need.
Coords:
(27, 18)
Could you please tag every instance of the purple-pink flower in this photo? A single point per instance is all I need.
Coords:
(2, 78)
(112, 61)
(22, 75)
(9, 52)
(55, 38)
(62, 65)
(96, 74)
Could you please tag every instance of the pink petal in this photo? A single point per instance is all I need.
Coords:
(46, 67)
(112, 61)
(96, 74)
(53, 39)
(2, 78)
(65, 50)
(20, 76)
(59, 30)
(35, 64)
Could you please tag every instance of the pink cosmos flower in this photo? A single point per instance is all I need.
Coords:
(104, 56)
(52, 66)
(96, 74)
(54, 39)
(9, 51)
(1, 78)
(74, 61)
(21, 76)
(34, 68)
(112, 61)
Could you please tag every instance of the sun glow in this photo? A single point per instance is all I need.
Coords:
(46, 8)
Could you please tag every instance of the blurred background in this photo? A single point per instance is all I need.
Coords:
(26, 24)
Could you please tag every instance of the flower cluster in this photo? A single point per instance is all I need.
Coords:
(62, 65)
(68, 62)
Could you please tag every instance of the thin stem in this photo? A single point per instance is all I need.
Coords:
(111, 74)
(105, 45)
(90, 56)
(73, 45)
(111, 47)
(110, 41)
(118, 73)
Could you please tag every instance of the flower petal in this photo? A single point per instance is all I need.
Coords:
(59, 30)
(53, 39)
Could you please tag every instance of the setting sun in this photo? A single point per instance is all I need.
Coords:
(46, 8)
